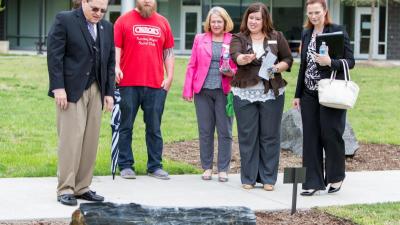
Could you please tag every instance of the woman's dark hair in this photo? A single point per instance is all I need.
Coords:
(267, 27)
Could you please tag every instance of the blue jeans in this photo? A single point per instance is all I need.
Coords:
(151, 101)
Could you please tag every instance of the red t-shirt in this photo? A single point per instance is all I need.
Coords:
(142, 42)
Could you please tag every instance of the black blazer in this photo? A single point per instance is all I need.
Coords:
(325, 71)
(69, 55)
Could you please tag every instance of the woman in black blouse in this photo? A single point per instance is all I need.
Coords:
(323, 127)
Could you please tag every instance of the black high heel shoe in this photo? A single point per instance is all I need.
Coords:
(310, 192)
(335, 189)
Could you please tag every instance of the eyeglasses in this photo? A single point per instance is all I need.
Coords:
(96, 9)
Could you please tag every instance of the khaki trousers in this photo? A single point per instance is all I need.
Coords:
(78, 129)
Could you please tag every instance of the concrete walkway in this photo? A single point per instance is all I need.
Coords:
(35, 198)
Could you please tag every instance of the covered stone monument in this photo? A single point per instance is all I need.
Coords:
(134, 214)
(292, 134)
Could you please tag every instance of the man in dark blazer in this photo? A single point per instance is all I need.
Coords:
(81, 65)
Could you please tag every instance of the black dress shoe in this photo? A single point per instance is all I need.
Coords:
(67, 199)
(334, 189)
(310, 192)
(91, 196)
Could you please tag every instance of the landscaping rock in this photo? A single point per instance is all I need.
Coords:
(292, 134)
(124, 214)
(350, 140)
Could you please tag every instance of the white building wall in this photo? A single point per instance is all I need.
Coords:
(334, 9)
(127, 5)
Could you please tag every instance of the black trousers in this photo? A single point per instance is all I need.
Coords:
(323, 129)
(259, 133)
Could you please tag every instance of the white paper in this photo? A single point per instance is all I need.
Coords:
(268, 62)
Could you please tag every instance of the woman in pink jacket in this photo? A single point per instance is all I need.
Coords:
(207, 81)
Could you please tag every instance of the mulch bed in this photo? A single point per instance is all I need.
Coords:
(368, 157)
(301, 217)
(38, 222)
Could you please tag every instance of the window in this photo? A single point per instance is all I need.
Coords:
(235, 9)
(288, 17)
(190, 2)
(115, 2)
(382, 30)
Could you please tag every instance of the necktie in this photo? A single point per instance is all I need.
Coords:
(91, 30)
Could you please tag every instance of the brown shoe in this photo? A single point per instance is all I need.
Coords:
(247, 186)
(268, 187)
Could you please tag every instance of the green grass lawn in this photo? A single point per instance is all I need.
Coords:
(28, 132)
(375, 214)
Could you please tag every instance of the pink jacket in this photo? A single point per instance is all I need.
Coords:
(199, 64)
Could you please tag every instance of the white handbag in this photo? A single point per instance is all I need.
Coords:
(339, 94)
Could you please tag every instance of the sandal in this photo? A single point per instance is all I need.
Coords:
(207, 175)
(247, 186)
(223, 177)
(268, 187)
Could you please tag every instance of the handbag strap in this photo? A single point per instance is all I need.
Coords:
(346, 70)
(333, 75)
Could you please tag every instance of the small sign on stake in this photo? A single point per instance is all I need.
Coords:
(294, 176)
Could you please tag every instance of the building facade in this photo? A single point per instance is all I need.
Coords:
(25, 23)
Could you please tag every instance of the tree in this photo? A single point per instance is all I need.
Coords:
(373, 4)
(2, 8)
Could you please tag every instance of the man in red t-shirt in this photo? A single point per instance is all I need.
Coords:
(143, 46)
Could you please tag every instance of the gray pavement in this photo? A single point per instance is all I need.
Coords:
(35, 198)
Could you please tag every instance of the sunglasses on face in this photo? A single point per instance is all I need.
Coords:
(96, 9)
